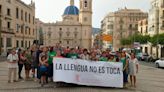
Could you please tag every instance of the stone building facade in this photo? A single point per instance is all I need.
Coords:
(74, 30)
(39, 26)
(17, 24)
(155, 27)
(122, 24)
(143, 26)
(107, 28)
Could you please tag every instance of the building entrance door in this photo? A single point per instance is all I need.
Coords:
(162, 51)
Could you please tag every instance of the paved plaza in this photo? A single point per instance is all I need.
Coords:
(149, 79)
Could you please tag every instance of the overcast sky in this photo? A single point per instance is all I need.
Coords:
(51, 10)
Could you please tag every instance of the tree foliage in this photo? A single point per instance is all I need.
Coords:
(126, 41)
(156, 39)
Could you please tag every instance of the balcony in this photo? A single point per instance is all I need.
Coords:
(7, 30)
(8, 17)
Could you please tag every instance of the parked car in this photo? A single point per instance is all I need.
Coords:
(139, 56)
(145, 57)
(159, 63)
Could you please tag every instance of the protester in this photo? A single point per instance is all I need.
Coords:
(28, 63)
(38, 52)
(58, 54)
(118, 56)
(72, 54)
(45, 54)
(34, 64)
(51, 55)
(112, 58)
(20, 64)
(12, 60)
(133, 69)
(65, 51)
(103, 57)
(84, 55)
(43, 69)
(125, 68)
(93, 56)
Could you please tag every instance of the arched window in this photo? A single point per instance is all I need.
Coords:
(85, 3)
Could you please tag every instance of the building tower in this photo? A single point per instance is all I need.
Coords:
(85, 18)
(71, 2)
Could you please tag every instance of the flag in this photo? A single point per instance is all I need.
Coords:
(106, 37)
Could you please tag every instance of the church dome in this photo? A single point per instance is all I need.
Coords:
(71, 10)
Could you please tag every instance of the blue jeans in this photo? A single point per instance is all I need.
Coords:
(125, 76)
(38, 73)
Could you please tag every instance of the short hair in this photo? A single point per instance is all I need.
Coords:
(85, 50)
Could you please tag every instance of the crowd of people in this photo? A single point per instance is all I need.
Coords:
(38, 61)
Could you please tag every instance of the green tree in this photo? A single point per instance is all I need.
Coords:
(135, 38)
(140, 38)
(157, 39)
(126, 41)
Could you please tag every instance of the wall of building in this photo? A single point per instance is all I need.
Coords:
(125, 24)
(16, 31)
(74, 30)
(143, 26)
(155, 27)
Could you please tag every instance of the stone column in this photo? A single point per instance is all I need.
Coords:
(4, 45)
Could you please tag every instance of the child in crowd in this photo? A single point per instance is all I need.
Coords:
(43, 69)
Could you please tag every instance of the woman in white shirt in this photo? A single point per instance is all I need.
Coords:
(133, 69)
(12, 60)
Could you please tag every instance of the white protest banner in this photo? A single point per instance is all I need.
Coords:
(90, 73)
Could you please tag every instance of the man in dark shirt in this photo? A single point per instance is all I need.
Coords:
(38, 52)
